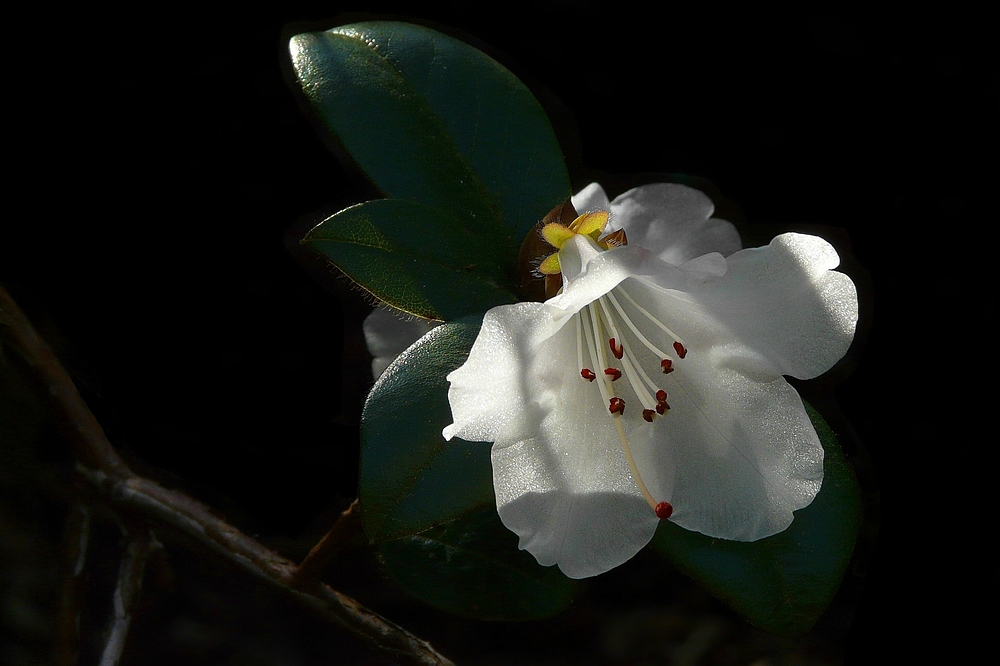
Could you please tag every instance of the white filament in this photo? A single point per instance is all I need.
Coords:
(651, 317)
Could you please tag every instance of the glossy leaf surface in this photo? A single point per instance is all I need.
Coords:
(412, 479)
(415, 257)
(433, 120)
(471, 566)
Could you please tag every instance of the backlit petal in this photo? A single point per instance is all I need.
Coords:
(673, 221)
(593, 273)
(491, 395)
(785, 301)
(590, 198)
(586, 534)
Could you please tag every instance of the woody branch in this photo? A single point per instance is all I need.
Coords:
(148, 501)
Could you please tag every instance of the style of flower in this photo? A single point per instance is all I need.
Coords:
(651, 386)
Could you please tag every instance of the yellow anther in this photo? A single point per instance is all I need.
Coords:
(556, 234)
(590, 224)
(550, 266)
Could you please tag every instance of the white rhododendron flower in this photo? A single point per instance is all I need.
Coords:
(650, 387)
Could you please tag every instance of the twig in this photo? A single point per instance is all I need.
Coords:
(139, 542)
(100, 463)
(149, 499)
(85, 435)
(319, 558)
(67, 643)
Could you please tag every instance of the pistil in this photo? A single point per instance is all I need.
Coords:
(599, 323)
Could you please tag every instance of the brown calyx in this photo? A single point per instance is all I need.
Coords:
(534, 248)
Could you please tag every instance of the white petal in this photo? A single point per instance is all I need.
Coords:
(388, 333)
(736, 454)
(586, 534)
(574, 256)
(712, 264)
(491, 394)
(785, 302)
(673, 221)
(590, 273)
(567, 491)
(589, 199)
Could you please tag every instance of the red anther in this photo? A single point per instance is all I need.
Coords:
(588, 374)
(661, 396)
(662, 408)
(680, 349)
(614, 373)
(617, 406)
(663, 510)
(648, 414)
(667, 365)
(618, 350)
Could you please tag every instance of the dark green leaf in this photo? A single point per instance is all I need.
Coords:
(472, 566)
(433, 120)
(415, 257)
(411, 478)
(784, 582)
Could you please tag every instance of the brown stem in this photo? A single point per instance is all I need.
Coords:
(100, 463)
(85, 435)
(74, 551)
(139, 542)
(319, 558)
(149, 499)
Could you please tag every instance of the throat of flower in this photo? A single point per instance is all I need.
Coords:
(598, 331)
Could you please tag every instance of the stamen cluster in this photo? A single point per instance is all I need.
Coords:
(603, 320)
(595, 322)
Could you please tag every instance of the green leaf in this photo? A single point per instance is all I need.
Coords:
(411, 478)
(415, 257)
(782, 583)
(433, 120)
(472, 566)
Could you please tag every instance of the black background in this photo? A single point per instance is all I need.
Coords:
(171, 170)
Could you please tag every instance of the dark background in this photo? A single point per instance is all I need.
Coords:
(171, 171)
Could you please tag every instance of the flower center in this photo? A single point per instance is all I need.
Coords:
(591, 225)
